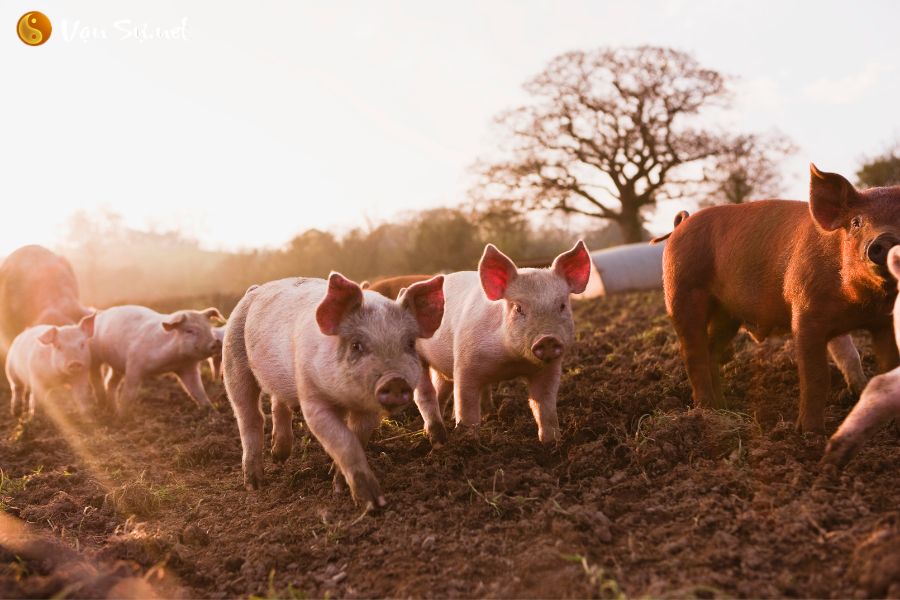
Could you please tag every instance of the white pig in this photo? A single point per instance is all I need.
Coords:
(344, 356)
(45, 357)
(137, 342)
(501, 323)
(879, 403)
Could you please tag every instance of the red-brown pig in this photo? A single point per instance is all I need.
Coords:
(879, 403)
(343, 355)
(137, 342)
(36, 287)
(502, 322)
(390, 287)
(46, 357)
(816, 270)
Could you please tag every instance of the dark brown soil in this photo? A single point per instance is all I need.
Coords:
(644, 496)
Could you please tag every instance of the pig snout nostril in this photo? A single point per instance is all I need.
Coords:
(878, 249)
(395, 392)
(547, 348)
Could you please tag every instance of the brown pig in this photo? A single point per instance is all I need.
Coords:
(36, 287)
(501, 323)
(816, 270)
(390, 287)
(344, 356)
(879, 403)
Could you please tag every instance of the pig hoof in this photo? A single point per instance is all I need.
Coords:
(847, 397)
(467, 433)
(280, 454)
(838, 453)
(366, 490)
(253, 478)
(338, 485)
(437, 435)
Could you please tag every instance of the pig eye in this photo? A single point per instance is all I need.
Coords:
(411, 344)
(856, 222)
(562, 307)
(357, 347)
(518, 309)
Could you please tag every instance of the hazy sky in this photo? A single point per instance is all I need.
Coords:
(273, 117)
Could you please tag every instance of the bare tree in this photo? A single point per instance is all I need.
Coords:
(749, 168)
(607, 134)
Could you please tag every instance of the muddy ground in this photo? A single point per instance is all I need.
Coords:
(644, 496)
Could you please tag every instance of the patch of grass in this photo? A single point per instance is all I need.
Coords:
(141, 498)
(606, 585)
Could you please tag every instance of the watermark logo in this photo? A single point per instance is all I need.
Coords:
(34, 28)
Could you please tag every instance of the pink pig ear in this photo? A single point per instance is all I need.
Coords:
(574, 266)
(893, 262)
(497, 271)
(174, 322)
(425, 300)
(213, 313)
(342, 297)
(831, 198)
(49, 336)
(87, 325)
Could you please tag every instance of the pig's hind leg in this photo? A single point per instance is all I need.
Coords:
(846, 357)
(690, 316)
(721, 330)
(879, 403)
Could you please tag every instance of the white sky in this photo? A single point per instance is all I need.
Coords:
(273, 117)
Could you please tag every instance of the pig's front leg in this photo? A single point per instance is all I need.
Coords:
(885, 346)
(846, 357)
(127, 392)
(466, 399)
(344, 448)
(82, 393)
(880, 402)
(812, 362)
(17, 399)
(363, 425)
(542, 392)
(193, 385)
(99, 389)
(426, 401)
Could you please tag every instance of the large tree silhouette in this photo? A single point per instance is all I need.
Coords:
(607, 133)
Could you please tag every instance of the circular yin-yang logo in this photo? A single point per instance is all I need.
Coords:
(34, 28)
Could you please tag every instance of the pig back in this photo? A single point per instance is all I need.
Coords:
(120, 328)
(36, 286)
(280, 315)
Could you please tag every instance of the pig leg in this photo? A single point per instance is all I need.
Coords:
(885, 346)
(344, 448)
(18, 397)
(721, 330)
(690, 315)
(282, 430)
(812, 361)
(487, 400)
(846, 357)
(466, 399)
(444, 389)
(193, 385)
(113, 383)
(363, 425)
(542, 392)
(879, 403)
(97, 385)
(245, 396)
(127, 393)
(426, 400)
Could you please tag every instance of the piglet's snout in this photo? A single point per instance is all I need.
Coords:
(74, 367)
(547, 348)
(877, 250)
(393, 392)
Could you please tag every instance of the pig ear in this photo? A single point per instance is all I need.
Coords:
(831, 198)
(425, 300)
(496, 271)
(342, 297)
(49, 336)
(574, 266)
(174, 321)
(365, 284)
(87, 325)
(213, 313)
(893, 262)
